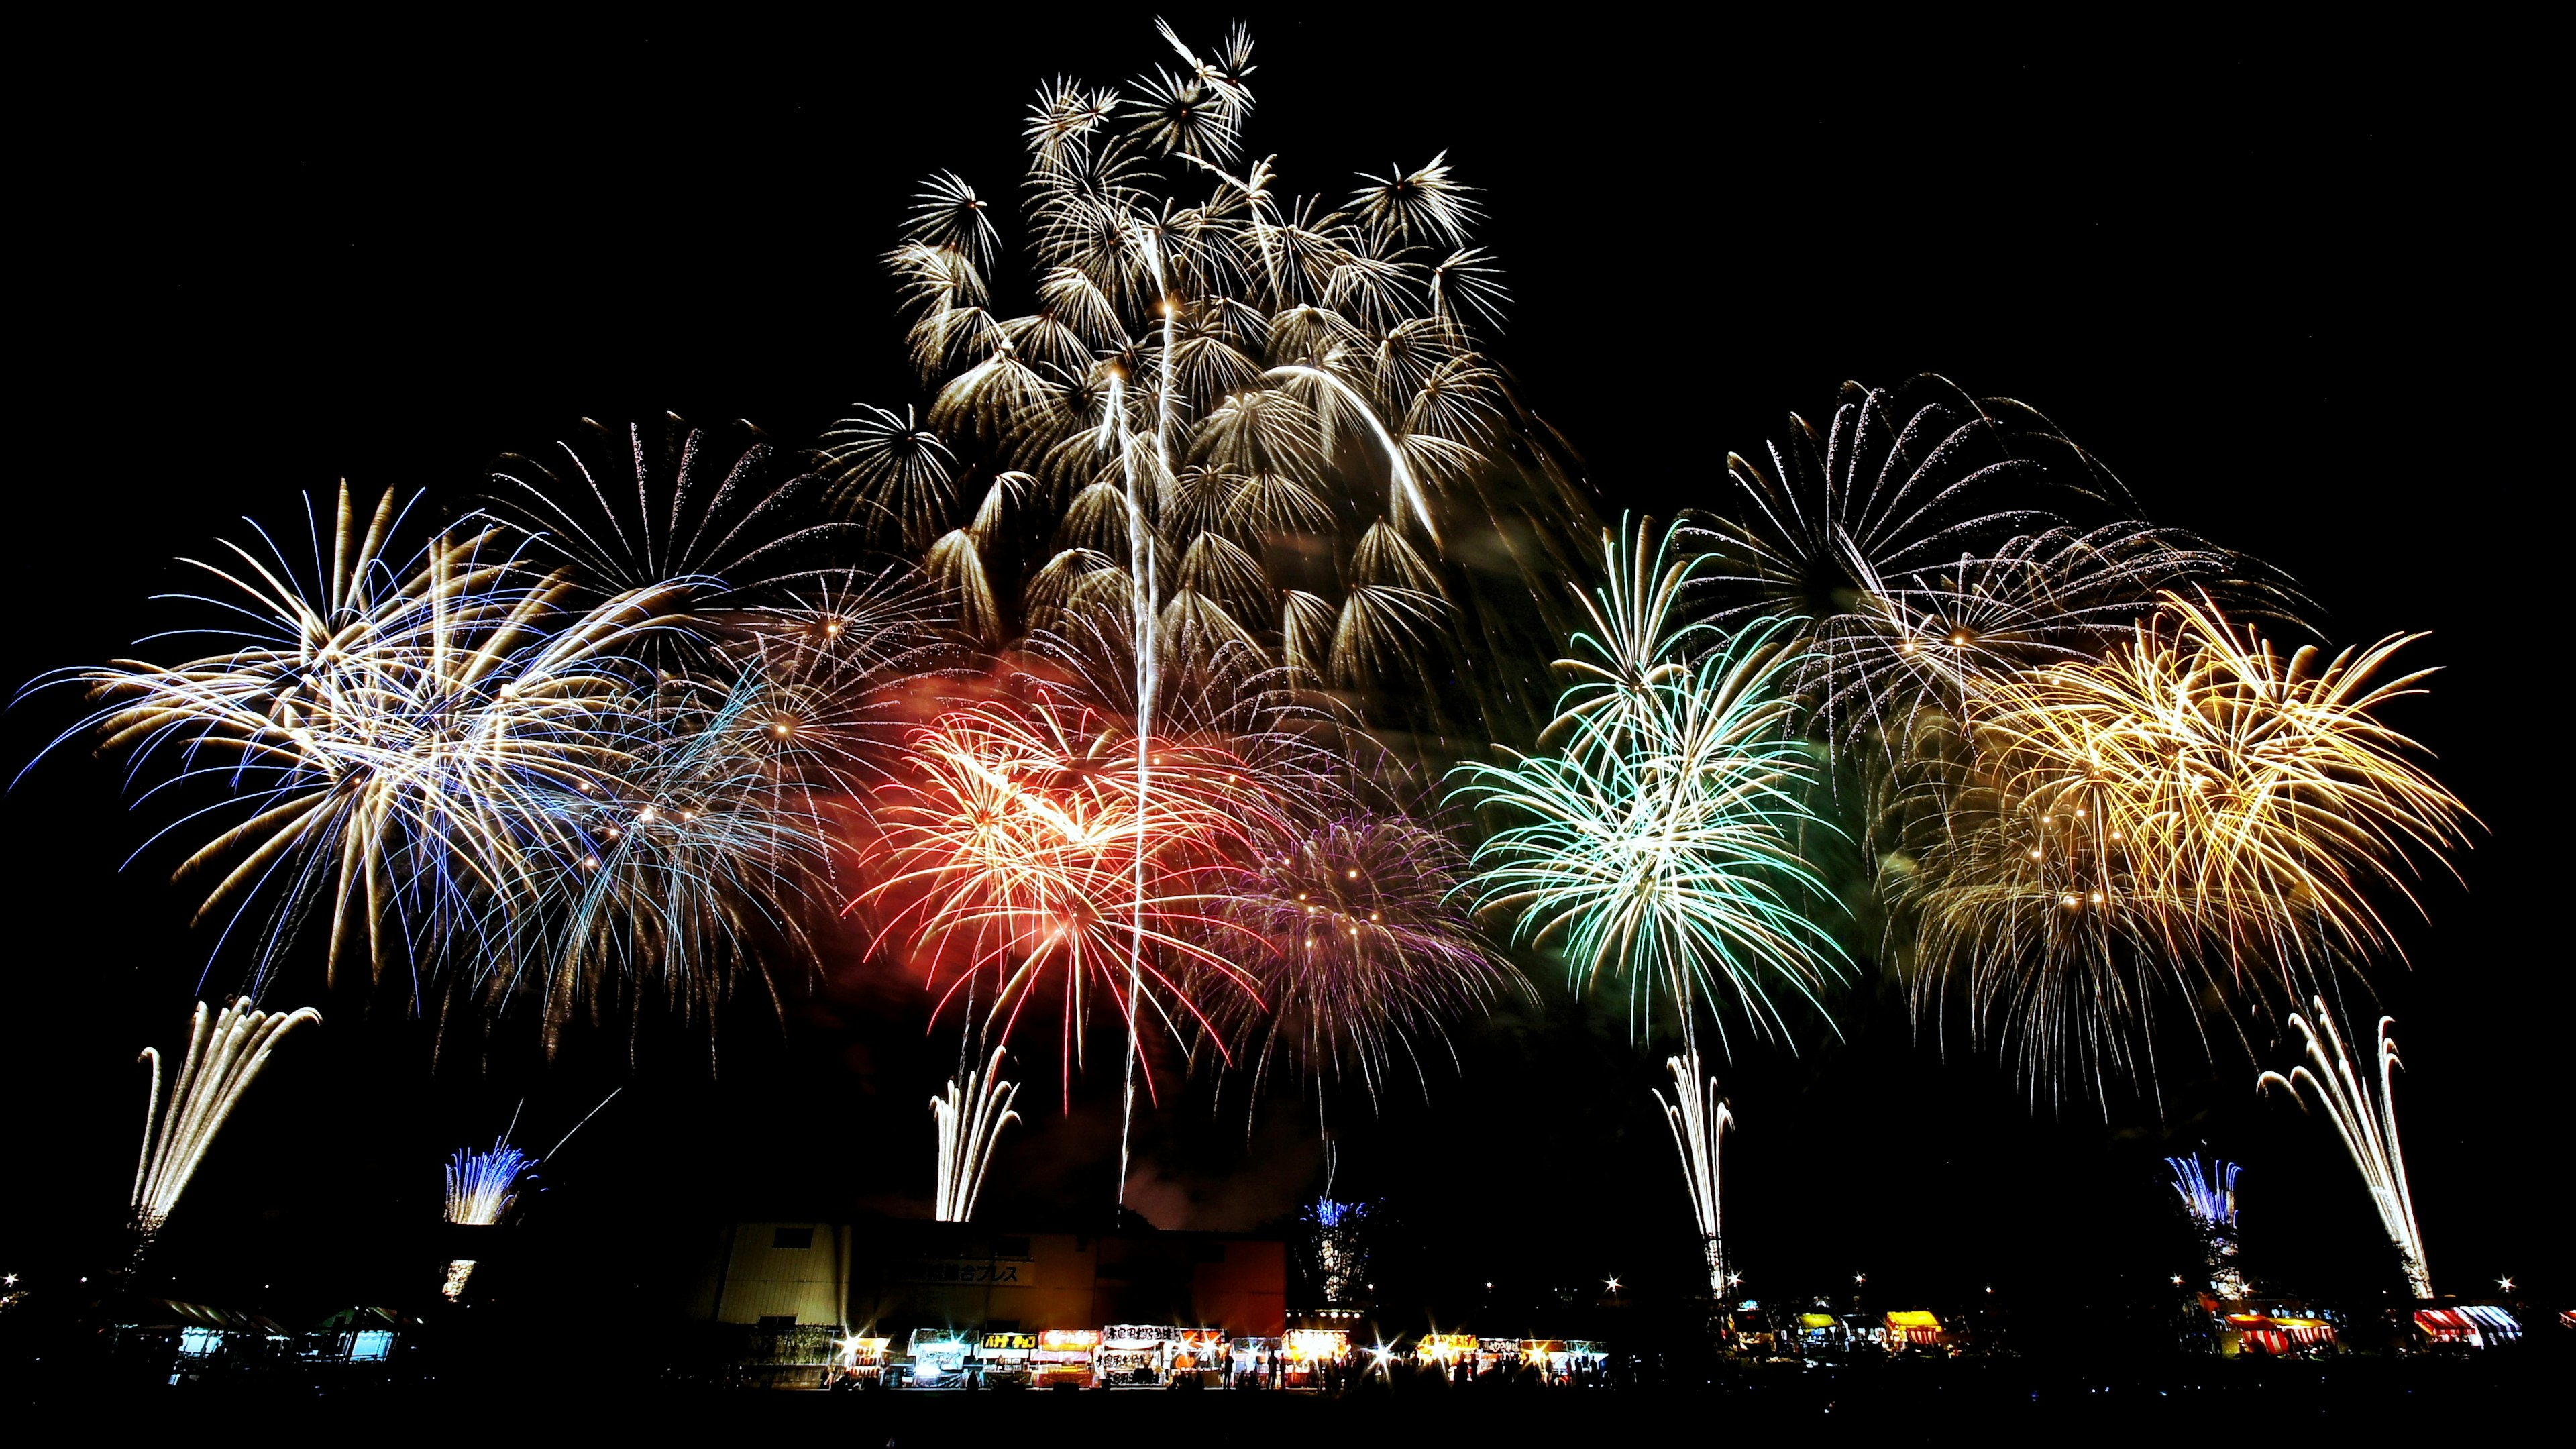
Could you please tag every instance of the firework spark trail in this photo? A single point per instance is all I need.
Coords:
(1696, 1118)
(482, 1186)
(2367, 1123)
(224, 1057)
(2191, 816)
(970, 1120)
(1921, 543)
(2208, 1194)
(1663, 837)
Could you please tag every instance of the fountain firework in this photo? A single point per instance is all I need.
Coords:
(224, 1056)
(1697, 1117)
(2367, 1123)
(970, 1121)
(2209, 1198)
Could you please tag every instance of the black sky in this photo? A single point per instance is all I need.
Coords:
(2290, 285)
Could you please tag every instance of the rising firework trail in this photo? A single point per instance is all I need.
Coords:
(224, 1056)
(1697, 1117)
(2367, 1123)
(970, 1120)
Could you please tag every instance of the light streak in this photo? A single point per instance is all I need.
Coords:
(1697, 1116)
(2367, 1124)
(224, 1056)
(970, 1120)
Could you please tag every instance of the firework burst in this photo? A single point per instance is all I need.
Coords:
(1364, 954)
(1018, 853)
(1920, 541)
(1664, 838)
(2191, 815)
(1233, 417)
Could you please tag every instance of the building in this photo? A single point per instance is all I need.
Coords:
(895, 1276)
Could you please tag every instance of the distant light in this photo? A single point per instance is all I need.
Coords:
(1614, 1283)
(2504, 1284)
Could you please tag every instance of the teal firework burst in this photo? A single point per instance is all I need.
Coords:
(1661, 839)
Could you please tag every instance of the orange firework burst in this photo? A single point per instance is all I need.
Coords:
(1017, 850)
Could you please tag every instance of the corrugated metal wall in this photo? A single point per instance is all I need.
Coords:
(767, 1276)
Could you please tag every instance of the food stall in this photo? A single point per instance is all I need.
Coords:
(1308, 1352)
(937, 1359)
(1133, 1355)
(1444, 1351)
(1064, 1357)
(1002, 1358)
(1913, 1328)
(863, 1357)
(1198, 1358)
(1253, 1363)
(2471, 1325)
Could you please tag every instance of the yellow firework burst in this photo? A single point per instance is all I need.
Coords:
(2193, 810)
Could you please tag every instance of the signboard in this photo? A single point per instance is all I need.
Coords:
(977, 1272)
(1010, 1340)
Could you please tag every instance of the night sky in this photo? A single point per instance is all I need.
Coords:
(2289, 286)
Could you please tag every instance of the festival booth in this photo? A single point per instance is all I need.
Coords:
(1308, 1352)
(1560, 1360)
(1915, 1329)
(1199, 1358)
(937, 1359)
(1445, 1352)
(1134, 1355)
(1252, 1363)
(2274, 1334)
(1817, 1332)
(1064, 1357)
(1003, 1358)
(2471, 1325)
(864, 1355)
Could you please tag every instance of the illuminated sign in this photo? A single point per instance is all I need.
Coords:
(1308, 1344)
(1011, 1340)
(1448, 1345)
(1069, 1338)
